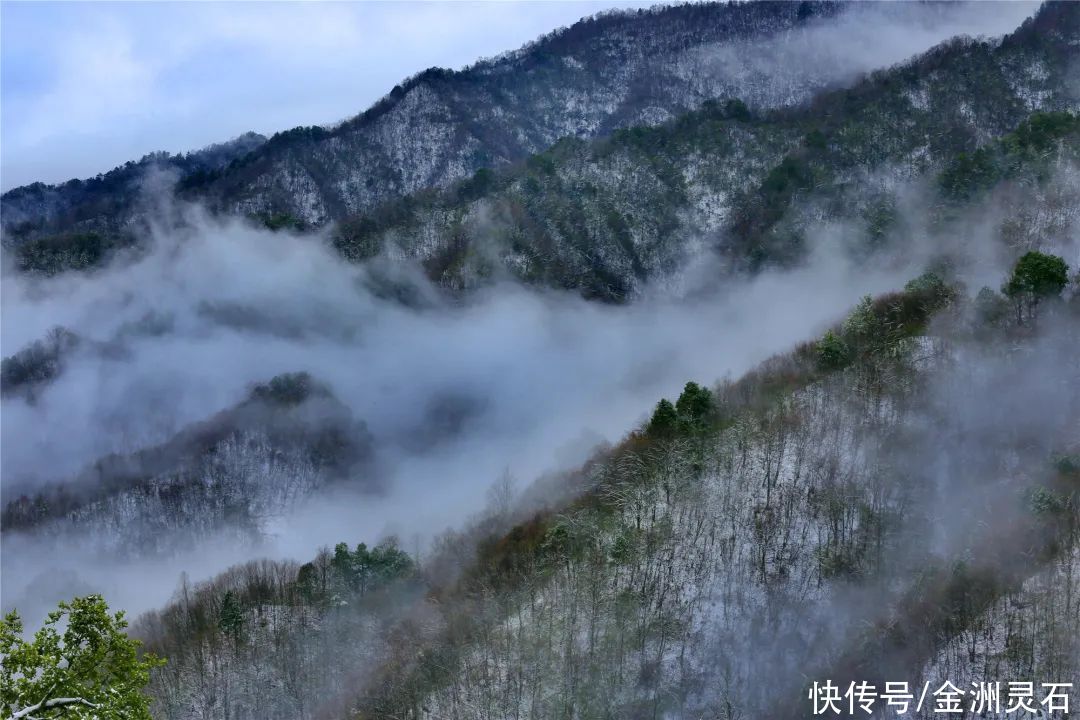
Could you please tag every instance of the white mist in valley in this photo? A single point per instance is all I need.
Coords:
(184, 331)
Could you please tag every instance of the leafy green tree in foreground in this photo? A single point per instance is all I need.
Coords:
(88, 669)
(1037, 276)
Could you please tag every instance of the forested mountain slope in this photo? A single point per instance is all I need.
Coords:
(822, 517)
(288, 445)
(895, 500)
(1022, 188)
(615, 70)
(100, 210)
(604, 217)
(834, 532)
(231, 474)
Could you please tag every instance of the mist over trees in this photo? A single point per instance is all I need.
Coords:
(661, 368)
(738, 532)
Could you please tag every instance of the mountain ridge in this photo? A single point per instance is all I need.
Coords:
(892, 494)
(475, 119)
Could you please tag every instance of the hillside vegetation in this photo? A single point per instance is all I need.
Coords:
(822, 516)
(230, 474)
(442, 125)
(604, 216)
(341, 334)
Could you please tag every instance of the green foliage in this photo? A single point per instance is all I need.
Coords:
(880, 218)
(694, 406)
(386, 561)
(833, 353)
(1039, 275)
(737, 110)
(297, 135)
(1068, 466)
(307, 582)
(880, 327)
(89, 670)
(1036, 277)
(564, 541)
(931, 286)
(792, 174)
(624, 548)
(282, 221)
(931, 291)
(665, 419)
(972, 173)
(1042, 131)
(861, 321)
(969, 173)
(57, 253)
(479, 185)
(815, 140)
(231, 617)
(756, 221)
(360, 236)
(541, 163)
(363, 569)
(1044, 501)
(690, 413)
(837, 561)
(342, 563)
(37, 363)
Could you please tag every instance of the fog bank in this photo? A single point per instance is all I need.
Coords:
(453, 391)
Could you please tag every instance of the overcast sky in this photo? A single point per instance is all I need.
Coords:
(87, 86)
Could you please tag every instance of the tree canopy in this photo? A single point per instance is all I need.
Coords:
(90, 669)
(690, 412)
(1036, 277)
(664, 420)
(1037, 273)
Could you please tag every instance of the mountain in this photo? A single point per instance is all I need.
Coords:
(895, 497)
(108, 202)
(1021, 185)
(815, 527)
(608, 216)
(228, 474)
(823, 517)
(607, 72)
(901, 161)
(605, 216)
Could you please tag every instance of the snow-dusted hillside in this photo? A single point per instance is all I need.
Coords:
(906, 513)
(615, 70)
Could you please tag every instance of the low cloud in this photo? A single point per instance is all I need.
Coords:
(453, 391)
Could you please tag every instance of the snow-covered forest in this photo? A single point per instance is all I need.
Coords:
(669, 366)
